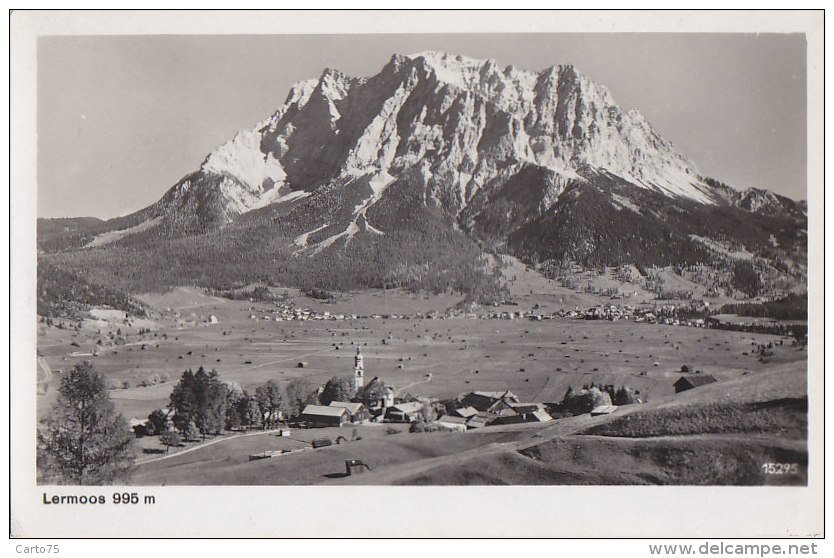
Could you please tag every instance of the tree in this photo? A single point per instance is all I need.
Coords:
(270, 402)
(626, 396)
(84, 440)
(190, 432)
(250, 412)
(157, 422)
(599, 397)
(234, 420)
(745, 278)
(183, 402)
(336, 389)
(242, 410)
(200, 399)
(170, 438)
(299, 394)
(372, 394)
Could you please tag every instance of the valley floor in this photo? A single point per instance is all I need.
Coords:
(536, 360)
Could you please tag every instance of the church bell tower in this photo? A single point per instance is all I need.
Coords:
(358, 371)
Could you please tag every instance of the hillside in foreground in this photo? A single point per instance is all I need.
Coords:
(679, 449)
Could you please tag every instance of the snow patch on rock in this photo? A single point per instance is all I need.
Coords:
(242, 158)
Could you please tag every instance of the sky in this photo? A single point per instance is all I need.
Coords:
(122, 118)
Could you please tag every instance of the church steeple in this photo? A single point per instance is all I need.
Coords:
(358, 370)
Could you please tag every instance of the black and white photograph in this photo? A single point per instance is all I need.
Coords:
(562, 259)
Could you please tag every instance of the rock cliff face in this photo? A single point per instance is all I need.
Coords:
(531, 161)
(456, 124)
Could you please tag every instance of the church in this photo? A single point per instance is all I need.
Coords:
(358, 371)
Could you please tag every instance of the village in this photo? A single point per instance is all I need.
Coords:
(362, 372)
(680, 313)
(378, 403)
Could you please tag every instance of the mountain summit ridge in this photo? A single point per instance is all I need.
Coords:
(454, 117)
(439, 155)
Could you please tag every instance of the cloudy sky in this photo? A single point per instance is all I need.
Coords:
(121, 119)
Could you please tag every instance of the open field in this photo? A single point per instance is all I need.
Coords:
(537, 360)
(534, 359)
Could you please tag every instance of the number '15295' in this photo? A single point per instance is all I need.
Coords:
(780, 468)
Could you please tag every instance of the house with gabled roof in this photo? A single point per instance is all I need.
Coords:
(403, 412)
(320, 416)
(465, 412)
(489, 400)
(452, 423)
(685, 383)
(356, 411)
(603, 410)
(482, 419)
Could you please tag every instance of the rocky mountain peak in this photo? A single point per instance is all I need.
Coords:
(439, 158)
(452, 127)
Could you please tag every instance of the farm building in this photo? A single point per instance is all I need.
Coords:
(136, 422)
(527, 408)
(538, 416)
(452, 423)
(465, 412)
(356, 411)
(603, 410)
(527, 412)
(686, 383)
(404, 412)
(319, 416)
(489, 400)
(482, 419)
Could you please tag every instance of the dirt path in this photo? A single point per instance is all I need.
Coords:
(206, 444)
(253, 367)
(402, 389)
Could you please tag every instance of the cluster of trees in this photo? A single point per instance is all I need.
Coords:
(797, 331)
(421, 249)
(202, 405)
(577, 402)
(341, 389)
(84, 441)
(424, 421)
(199, 399)
(258, 294)
(65, 294)
(585, 227)
(373, 393)
(794, 306)
(423, 253)
(66, 233)
(320, 294)
(745, 278)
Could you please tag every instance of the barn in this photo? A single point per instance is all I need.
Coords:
(465, 412)
(685, 383)
(356, 411)
(452, 423)
(603, 410)
(482, 419)
(404, 412)
(320, 416)
(489, 400)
